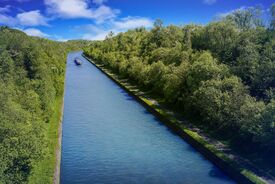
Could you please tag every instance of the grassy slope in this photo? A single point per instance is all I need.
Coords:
(43, 172)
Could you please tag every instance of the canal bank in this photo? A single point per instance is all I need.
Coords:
(228, 165)
(56, 175)
(56, 178)
(47, 169)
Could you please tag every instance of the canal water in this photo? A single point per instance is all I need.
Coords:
(110, 138)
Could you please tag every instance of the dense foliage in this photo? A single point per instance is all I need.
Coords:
(221, 75)
(31, 78)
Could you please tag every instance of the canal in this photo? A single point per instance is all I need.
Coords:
(110, 138)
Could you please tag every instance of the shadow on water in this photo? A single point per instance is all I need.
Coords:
(159, 122)
(190, 148)
(126, 95)
(216, 173)
(129, 98)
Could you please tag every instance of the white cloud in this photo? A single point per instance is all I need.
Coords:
(99, 32)
(80, 9)
(35, 32)
(31, 18)
(7, 20)
(133, 22)
(69, 8)
(103, 13)
(5, 9)
(209, 2)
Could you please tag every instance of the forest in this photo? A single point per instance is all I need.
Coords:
(220, 76)
(31, 81)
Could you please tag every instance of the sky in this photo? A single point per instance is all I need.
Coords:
(93, 19)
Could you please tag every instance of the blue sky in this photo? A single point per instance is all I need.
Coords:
(93, 19)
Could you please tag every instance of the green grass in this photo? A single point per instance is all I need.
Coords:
(254, 178)
(43, 171)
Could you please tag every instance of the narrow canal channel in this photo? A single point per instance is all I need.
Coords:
(110, 138)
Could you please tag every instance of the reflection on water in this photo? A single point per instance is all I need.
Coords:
(109, 138)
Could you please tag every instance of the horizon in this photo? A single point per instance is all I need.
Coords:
(94, 19)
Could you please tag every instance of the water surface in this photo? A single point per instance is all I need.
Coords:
(110, 138)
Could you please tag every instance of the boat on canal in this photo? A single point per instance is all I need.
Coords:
(77, 61)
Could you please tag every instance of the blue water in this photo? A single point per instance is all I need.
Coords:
(110, 138)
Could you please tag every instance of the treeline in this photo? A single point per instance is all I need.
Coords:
(221, 75)
(31, 78)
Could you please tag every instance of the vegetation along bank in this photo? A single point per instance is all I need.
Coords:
(220, 77)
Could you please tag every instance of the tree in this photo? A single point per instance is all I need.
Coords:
(155, 76)
(247, 62)
(220, 38)
(204, 68)
(267, 136)
(247, 18)
(219, 102)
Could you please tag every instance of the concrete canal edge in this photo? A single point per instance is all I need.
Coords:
(231, 169)
(56, 178)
